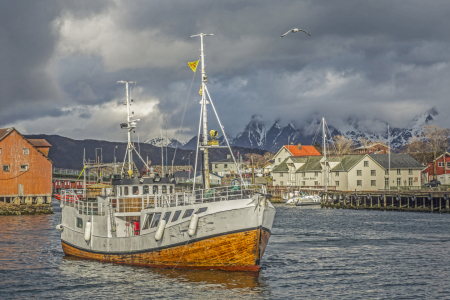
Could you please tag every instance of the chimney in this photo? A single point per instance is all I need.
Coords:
(228, 156)
(299, 146)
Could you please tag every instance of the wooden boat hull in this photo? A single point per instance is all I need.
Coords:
(234, 251)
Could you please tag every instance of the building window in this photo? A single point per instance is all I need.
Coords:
(410, 181)
(386, 183)
(303, 174)
(337, 183)
(398, 172)
(373, 173)
(359, 182)
(225, 165)
(217, 166)
(303, 183)
(316, 183)
(5, 168)
(281, 183)
(279, 160)
(366, 163)
(410, 172)
(386, 172)
(316, 174)
(23, 168)
(440, 164)
(26, 151)
(281, 174)
(399, 181)
(0, 150)
(373, 182)
(337, 174)
(448, 164)
(358, 173)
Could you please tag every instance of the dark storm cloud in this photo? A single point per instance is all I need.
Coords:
(381, 61)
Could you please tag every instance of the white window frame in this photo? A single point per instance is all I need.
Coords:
(337, 183)
(440, 164)
(358, 172)
(358, 182)
(8, 168)
(399, 172)
(366, 163)
(26, 151)
(373, 172)
(24, 169)
(373, 183)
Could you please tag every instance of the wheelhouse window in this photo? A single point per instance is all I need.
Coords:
(5, 168)
(156, 220)
(145, 190)
(147, 222)
(120, 191)
(155, 189)
(23, 168)
(79, 222)
(26, 151)
(164, 189)
(202, 209)
(176, 215)
(188, 213)
(125, 191)
(135, 190)
(167, 216)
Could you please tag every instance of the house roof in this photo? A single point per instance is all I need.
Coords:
(311, 164)
(370, 146)
(347, 162)
(181, 174)
(39, 143)
(304, 151)
(282, 167)
(397, 161)
(4, 132)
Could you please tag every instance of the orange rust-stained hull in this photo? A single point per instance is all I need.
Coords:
(241, 251)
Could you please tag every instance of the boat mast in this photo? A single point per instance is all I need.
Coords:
(130, 125)
(204, 102)
(325, 153)
(389, 159)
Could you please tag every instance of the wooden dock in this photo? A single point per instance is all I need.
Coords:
(420, 201)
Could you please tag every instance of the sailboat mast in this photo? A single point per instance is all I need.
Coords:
(389, 158)
(325, 153)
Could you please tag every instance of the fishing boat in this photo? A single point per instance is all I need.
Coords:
(143, 220)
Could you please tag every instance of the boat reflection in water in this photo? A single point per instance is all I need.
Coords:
(245, 283)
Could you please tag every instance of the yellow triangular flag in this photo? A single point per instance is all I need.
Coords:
(193, 65)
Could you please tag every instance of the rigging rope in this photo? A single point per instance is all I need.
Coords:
(182, 118)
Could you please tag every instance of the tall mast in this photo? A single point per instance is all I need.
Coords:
(389, 158)
(204, 102)
(325, 153)
(130, 125)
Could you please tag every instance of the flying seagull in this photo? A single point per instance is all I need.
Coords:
(295, 30)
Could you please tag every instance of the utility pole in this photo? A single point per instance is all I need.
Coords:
(253, 171)
(325, 154)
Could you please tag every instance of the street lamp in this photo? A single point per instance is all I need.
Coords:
(190, 164)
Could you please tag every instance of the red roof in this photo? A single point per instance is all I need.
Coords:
(304, 151)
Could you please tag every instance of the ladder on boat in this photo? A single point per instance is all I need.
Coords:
(112, 220)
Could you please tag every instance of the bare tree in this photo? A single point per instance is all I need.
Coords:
(436, 139)
(342, 144)
(417, 148)
(364, 142)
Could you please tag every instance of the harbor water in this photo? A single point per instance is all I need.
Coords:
(313, 253)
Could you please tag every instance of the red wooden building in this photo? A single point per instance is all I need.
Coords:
(26, 171)
(375, 148)
(442, 172)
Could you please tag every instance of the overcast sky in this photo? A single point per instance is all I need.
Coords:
(374, 61)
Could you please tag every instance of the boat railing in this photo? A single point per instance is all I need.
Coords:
(136, 204)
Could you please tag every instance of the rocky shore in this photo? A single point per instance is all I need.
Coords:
(7, 209)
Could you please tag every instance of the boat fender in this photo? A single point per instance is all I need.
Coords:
(430, 196)
(60, 227)
(414, 198)
(398, 198)
(160, 230)
(193, 224)
(87, 231)
(445, 197)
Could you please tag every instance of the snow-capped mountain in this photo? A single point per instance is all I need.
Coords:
(163, 141)
(255, 134)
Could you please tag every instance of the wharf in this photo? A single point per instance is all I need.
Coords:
(10, 209)
(418, 201)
